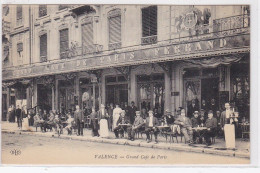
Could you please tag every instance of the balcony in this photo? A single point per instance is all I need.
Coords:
(149, 40)
(80, 51)
(114, 46)
(231, 23)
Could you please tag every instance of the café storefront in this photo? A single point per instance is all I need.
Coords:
(164, 76)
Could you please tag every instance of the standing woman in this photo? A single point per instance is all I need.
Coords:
(94, 122)
(103, 122)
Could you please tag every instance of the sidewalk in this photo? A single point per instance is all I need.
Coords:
(218, 148)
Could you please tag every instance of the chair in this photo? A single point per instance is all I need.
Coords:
(245, 131)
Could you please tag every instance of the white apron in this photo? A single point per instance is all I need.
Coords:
(103, 128)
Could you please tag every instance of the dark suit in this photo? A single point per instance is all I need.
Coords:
(186, 127)
(131, 113)
(121, 129)
(223, 119)
(94, 123)
(211, 124)
(79, 119)
(18, 114)
(149, 129)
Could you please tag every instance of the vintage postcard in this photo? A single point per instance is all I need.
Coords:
(127, 85)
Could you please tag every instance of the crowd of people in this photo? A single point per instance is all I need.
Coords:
(129, 120)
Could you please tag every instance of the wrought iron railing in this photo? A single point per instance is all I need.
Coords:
(90, 49)
(233, 22)
(113, 46)
(149, 40)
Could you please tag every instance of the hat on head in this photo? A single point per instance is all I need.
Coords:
(196, 112)
(150, 111)
(137, 112)
(210, 112)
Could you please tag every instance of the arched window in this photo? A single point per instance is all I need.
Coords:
(114, 27)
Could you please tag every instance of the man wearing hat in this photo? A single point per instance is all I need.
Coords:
(211, 124)
(168, 118)
(195, 122)
(119, 129)
(150, 126)
(138, 123)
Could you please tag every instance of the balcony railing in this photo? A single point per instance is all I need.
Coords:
(230, 23)
(43, 58)
(113, 46)
(78, 51)
(149, 40)
(6, 27)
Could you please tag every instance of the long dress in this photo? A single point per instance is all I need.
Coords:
(103, 125)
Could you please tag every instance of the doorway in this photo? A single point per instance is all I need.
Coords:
(44, 96)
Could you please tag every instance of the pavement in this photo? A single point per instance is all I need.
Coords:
(218, 148)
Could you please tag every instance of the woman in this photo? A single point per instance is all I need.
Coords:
(94, 123)
(103, 122)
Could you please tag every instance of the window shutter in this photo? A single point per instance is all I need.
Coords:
(42, 10)
(149, 21)
(19, 12)
(115, 29)
(64, 41)
(43, 45)
(87, 34)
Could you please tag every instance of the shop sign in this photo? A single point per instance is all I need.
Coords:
(194, 48)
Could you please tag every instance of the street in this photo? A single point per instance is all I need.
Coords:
(25, 149)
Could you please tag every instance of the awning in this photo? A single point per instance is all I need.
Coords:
(213, 62)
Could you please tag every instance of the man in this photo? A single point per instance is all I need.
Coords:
(186, 126)
(203, 105)
(110, 116)
(121, 129)
(213, 106)
(94, 119)
(195, 122)
(168, 118)
(192, 108)
(150, 126)
(225, 116)
(131, 112)
(211, 124)
(38, 121)
(137, 125)
(18, 114)
(79, 119)
(143, 113)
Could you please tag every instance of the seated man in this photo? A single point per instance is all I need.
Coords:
(70, 121)
(121, 129)
(38, 121)
(150, 126)
(186, 126)
(195, 122)
(168, 118)
(211, 124)
(137, 125)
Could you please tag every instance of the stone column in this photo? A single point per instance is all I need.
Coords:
(56, 94)
(167, 82)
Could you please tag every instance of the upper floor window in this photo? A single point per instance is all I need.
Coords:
(87, 35)
(64, 43)
(19, 15)
(42, 10)
(63, 6)
(20, 49)
(149, 21)
(43, 48)
(114, 27)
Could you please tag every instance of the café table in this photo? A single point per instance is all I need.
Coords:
(201, 131)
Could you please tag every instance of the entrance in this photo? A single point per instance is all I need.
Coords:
(44, 96)
(116, 90)
(150, 92)
(66, 96)
(201, 85)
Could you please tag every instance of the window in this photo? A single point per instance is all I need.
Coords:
(42, 10)
(114, 26)
(64, 43)
(19, 15)
(87, 37)
(19, 47)
(149, 21)
(43, 48)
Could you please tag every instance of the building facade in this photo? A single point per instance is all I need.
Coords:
(160, 57)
